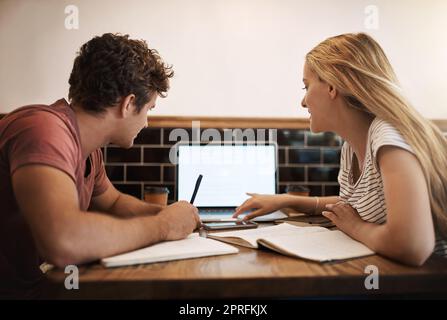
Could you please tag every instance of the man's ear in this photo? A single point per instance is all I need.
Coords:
(332, 91)
(126, 106)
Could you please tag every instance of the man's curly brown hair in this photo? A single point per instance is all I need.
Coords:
(112, 66)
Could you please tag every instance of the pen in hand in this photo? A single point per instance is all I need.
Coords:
(196, 188)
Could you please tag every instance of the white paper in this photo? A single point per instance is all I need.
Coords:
(253, 235)
(321, 246)
(191, 247)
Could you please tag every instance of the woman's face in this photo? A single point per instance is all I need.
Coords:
(319, 100)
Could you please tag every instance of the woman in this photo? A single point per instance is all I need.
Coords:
(393, 170)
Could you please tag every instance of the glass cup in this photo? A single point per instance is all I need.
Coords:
(156, 195)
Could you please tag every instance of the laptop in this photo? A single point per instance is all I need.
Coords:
(229, 172)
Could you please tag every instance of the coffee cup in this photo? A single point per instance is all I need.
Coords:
(156, 195)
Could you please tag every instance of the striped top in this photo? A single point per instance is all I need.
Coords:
(366, 194)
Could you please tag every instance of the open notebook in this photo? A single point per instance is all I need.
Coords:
(312, 243)
(193, 246)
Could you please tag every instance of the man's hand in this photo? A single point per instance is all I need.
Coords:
(345, 217)
(178, 220)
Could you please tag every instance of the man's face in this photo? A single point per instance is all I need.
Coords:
(135, 122)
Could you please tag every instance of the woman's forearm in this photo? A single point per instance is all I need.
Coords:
(392, 244)
(309, 205)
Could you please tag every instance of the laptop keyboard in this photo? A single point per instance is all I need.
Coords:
(215, 214)
(216, 211)
(218, 214)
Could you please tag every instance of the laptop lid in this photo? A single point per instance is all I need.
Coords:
(229, 171)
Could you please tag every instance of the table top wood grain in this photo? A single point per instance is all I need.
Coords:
(250, 274)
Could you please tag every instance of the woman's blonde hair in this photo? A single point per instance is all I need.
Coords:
(358, 68)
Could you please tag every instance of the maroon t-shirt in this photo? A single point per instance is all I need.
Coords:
(47, 135)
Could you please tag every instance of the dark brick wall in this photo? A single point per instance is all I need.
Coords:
(305, 159)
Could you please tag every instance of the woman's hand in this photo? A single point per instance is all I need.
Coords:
(345, 217)
(263, 203)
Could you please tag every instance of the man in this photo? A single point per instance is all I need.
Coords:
(57, 204)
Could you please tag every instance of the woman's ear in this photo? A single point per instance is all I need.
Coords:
(332, 91)
(126, 107)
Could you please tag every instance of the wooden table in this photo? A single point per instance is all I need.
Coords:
(251, 274)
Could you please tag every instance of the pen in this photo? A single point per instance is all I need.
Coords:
(196, 188)
(202, 231)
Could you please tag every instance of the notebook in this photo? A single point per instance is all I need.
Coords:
(229, 172)
(193, 246)
(311, 243)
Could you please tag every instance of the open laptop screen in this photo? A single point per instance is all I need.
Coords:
(229, 171)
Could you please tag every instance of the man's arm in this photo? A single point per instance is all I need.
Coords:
(47, 197)
(116, 203)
